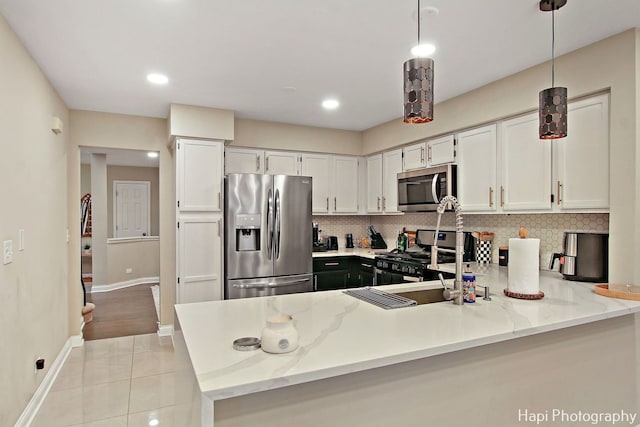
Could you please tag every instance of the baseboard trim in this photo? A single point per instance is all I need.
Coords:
(165, 330)
(41, 392)
(125, 284)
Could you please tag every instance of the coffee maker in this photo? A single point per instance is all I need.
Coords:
(585, 257)
(317, 245)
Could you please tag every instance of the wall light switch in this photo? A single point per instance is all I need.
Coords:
(21, 239)
(7, 247)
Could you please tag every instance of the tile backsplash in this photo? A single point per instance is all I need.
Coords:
(549, 228)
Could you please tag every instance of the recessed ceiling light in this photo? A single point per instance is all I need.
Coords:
(423, 50)
(159, 79)
(152, 154)
(330, 104)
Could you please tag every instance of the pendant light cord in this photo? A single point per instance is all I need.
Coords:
(418, 22)
(553, 46)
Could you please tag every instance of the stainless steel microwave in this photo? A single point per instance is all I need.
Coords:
(421, 190)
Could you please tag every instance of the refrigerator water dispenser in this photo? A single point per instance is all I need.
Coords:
(248, 232)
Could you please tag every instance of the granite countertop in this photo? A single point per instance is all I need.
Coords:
(361, 252)
(340, 334)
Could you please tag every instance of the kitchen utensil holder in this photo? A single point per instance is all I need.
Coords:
(483, 252)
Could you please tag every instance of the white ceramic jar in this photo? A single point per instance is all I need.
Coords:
(280, 335)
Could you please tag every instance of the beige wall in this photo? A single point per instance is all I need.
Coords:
(91, 129)
(128, 173)
(608, 64)
(281, 136)
(34, 307)
(142, 257)
(200, 122)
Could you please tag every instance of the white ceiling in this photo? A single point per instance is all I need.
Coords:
(241, 55)
(117, 157)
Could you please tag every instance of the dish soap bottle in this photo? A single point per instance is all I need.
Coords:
(402, 242)
(468, 285)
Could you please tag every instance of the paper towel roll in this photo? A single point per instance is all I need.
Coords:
(524, 266)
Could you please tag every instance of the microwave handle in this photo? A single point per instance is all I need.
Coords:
(434, 193)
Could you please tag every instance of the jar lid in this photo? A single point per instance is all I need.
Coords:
(246, 344)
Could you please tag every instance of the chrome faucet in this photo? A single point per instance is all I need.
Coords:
(456, 293)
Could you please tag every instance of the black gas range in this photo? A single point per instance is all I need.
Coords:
(414, 261)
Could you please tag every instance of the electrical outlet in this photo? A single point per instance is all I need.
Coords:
(39, 364)
(129, 270)
(7, 251)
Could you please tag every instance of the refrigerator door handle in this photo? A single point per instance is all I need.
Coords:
(269, 224)
(270, 284)
(276, 252)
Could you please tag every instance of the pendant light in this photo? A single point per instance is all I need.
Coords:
(418, 87)
(553, 101)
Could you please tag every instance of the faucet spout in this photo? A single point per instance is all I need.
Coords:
(456, 294)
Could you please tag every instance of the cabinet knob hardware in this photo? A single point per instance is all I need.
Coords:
(422, 155)
(327, 204)
(258, 163)
(501, 195)
(490, 197)
(378, 203)
(335, 203)
(429, 154)
(384, 202)
(219, 200)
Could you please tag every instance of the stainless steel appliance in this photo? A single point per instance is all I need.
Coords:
(412, 264)
(421, 190)
(268, 235)
(585, 257)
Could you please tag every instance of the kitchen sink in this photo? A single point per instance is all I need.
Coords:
(423, 296)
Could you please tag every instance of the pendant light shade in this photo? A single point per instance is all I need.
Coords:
(553, 101)
(418, 90)
(418, 87)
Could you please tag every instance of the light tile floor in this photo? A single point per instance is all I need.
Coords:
(115, 382)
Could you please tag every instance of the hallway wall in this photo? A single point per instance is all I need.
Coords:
(34, 297)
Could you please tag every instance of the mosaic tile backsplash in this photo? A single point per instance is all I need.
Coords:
(549, 228)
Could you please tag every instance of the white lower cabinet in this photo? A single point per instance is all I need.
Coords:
(199, 213)
(199, 259)
(477, 169)
(581, 160)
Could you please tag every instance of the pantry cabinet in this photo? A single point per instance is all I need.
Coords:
(581, 160)
(477, 169)
(199, 216)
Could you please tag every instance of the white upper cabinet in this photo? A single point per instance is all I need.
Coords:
(525, 166)
(434, 152)
(414, 156)
(441, 151)
(382, 181)
(391, 167)
(243, 160)
(281, 163)
(199, 175)
(477, 162)
(374, 183)
(581, 160)
(317, 167)
(344, 184)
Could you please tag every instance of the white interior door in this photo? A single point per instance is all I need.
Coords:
(131, 208)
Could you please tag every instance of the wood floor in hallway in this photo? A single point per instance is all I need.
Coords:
(123, 312)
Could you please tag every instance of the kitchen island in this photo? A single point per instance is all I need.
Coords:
(492, 363)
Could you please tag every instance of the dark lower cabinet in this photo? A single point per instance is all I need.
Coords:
(342, 272)
(388, 278)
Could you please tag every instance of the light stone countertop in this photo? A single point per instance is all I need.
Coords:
(340, 334)
(361, 252)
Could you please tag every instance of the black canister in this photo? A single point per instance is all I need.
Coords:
(503, 256)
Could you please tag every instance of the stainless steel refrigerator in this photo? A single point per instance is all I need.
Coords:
(268, 236)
